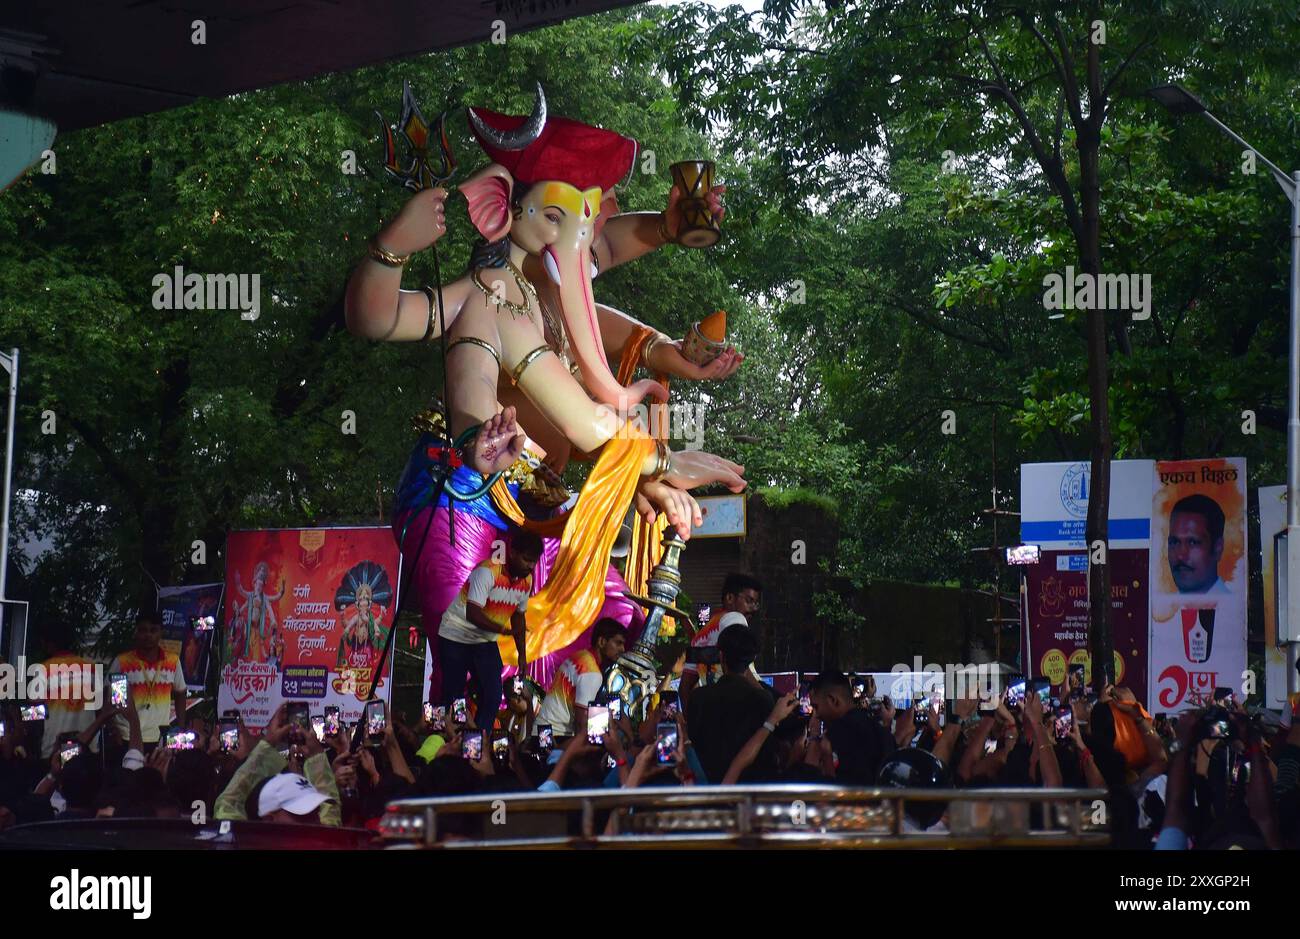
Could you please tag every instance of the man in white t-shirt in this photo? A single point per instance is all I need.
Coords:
(492, 603)
(579, 678)
(741, 595)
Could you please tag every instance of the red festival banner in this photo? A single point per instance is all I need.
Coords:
(307, 615)
(1056, 609)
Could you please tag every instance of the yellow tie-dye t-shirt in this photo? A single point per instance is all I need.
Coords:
(152, 685)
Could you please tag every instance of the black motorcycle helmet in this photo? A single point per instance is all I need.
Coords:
(913, 768)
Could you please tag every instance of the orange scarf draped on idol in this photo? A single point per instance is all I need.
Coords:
(575, 589)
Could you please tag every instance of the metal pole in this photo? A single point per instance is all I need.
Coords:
(1293, 442)
(1237, 137)
(12, 366)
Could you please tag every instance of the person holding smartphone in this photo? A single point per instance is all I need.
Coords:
(578, 680)
(492, 603)
(741, 595)
(71, 698)
(157, 681)
(860, 742)
(309, 798)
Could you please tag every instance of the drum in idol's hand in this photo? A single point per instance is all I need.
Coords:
(699, 228)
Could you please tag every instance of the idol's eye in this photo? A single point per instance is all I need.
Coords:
(552, 218)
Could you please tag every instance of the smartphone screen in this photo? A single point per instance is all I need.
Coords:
(702, 613)
(438, 718)
(318, 726)
(937, 704)
(299, 712)
(1075, 681)
(229, 736)
(460, 711)
(805, 698)
(1023, 554)
(990, 745)
(859, 689)
(500, 748)
(615, 708)
(427, 712)
(545, 737)
(597, 723)
(35, 712)
(69, 750)
(671, 704)
(1041, 687)
(376, 721)
(332, 724)
(1016, 693)
(666, 743)
(471, 745)
(517, 684)
(178, 739)
(1064, 723)
(119, 688)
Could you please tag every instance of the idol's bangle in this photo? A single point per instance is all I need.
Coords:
(663, 461)
(663, 229)
(648, 349)
(386, 258)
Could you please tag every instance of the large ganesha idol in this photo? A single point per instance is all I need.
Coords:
(530, 383)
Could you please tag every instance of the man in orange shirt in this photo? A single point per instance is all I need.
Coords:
(71, 690)
(157, 681)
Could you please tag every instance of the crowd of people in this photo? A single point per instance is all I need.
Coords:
(1218, 777)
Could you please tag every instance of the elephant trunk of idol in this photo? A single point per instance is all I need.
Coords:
(570, 270)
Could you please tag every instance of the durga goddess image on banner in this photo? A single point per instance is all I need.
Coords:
(363, 598)
(253, 620)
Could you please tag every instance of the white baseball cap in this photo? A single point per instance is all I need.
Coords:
(291, 792)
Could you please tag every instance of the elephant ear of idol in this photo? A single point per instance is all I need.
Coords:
(608, 209)
(488, 195)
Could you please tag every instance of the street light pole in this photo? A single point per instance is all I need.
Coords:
(1293, 442)
(10, 365)
(1181, 101)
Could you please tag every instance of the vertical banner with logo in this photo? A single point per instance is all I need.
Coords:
(1272, 519)
(1056, 599)
(1053, 515)
(189, 619)
(1198, 581)
(307, 614)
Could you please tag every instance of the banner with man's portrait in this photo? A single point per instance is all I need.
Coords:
(1198, 581)
(307, 615)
